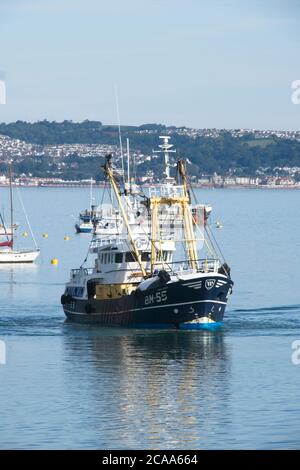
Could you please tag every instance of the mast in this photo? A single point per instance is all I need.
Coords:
(119, 129)
(166, 149)
(134, 169)
(128, 164)
(11, 206)
(187, 216)
(154, 217)
(109, 173)
(91, 193)
(182, 199)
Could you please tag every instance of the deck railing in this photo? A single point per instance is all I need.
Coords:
(85, 271)
(169, 191)
(205, 265)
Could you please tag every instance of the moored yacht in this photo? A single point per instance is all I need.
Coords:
(8, 253)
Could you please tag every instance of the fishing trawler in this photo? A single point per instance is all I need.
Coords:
(149, 274)
(102, 220)
(86, 220)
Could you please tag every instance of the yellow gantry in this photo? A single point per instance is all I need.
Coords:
(190, 240)
(155, 203)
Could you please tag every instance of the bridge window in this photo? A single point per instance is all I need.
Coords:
(119, 258)
(163, 256)
(146, 256)
(130, 257)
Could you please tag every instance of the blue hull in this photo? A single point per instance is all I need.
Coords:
(82, 230)
(182, 326)
(202, 326)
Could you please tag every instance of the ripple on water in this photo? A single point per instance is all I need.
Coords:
(46, 320)
(283, 319)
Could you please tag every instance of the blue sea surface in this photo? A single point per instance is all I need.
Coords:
(70, 386)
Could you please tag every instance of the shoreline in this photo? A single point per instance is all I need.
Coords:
(194, 186)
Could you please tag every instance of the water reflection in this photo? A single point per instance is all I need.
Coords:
(149, 389)
(11, 274)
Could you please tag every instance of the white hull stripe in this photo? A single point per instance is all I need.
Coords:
(191, 286)
(188, 284)
(156, 306)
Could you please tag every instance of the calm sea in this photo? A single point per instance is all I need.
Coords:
(68, 386)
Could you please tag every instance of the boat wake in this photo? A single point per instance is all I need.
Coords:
(31, 321)
(283, 319)
(44, 320)
(268, 309)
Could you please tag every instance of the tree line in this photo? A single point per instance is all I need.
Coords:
(224, 154)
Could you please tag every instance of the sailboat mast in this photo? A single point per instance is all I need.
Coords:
(11, 207)
(91, 193)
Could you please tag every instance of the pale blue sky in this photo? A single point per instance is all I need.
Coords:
(197, 63)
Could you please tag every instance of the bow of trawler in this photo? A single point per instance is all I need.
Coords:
(149, 274)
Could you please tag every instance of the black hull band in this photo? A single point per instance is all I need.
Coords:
(167, 305)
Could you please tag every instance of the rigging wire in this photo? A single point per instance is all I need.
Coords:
(210, 235)
(119, 129)
(5, 231)
(26, 217)
(87, 255)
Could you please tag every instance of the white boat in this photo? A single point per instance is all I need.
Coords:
(18, 256)
(7, 252)
(87, 217)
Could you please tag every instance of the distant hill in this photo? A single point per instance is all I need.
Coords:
(46, 132)
(209, 150)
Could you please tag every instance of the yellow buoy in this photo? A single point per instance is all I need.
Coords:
(25, 234)
(66, 238)
(54, 261)
(45, 235)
